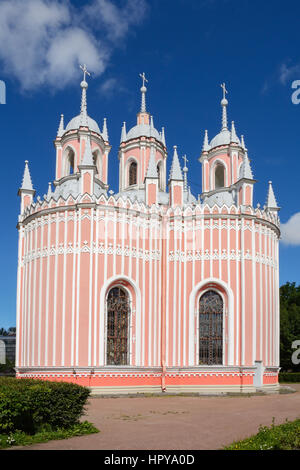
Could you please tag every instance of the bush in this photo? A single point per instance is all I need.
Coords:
(28, 405)
(289, 377)
(283, 437)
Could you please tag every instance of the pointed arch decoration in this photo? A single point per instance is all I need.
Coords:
(132, 173)
(211, 309)
(118, 313)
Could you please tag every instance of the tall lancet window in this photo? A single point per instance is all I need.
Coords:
(71, 162)
(160, 176)
(132, 173)
(210, 328)
(219, 176)
(96, 160)
(118, 310)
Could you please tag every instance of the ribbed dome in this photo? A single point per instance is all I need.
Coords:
(223, 138)
(75, 124)
(143, 130)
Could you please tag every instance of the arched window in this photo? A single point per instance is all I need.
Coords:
(160, 176)
(118, 310)
(69, 162)
(96, 160)
(132, 173)
(219, 176)
(210, 328)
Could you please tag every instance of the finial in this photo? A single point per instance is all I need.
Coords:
(246, 171)
(88, 156)
(233, 137)
(163, 138)
(271, 200)
(152, 168)
(84, 85)
(175, 172)
(206, 146)
(151, 122)
(185, 170)
(143, 91)
(224, 104)
(104, 131)
(243, 143)
(123, 132)
(27, 183)
(49, 193)
(61, 126)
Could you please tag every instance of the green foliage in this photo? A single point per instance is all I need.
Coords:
(28, 405)
(289, 324)
(289, 377)
(20, 438)
(283, 437)
(8, 368)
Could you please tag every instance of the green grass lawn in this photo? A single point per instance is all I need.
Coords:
(282, 437)
(19, 438)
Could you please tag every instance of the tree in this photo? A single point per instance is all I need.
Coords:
(289, 324)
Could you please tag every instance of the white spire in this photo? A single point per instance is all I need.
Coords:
(49, 193)
(224, 104)
(152, 168)
(246, 168)
(84, 86)
(123, 133)
(271, 200)
(233, 137)
(151, 122)
(88, 156)
(185, 170)
(143, 91)
(206, 146)
(27, 183)
(163, 138)
(243, 143)
(61, 126)
(104, 131)
(175, 173)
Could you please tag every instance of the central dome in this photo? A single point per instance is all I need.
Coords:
(76, 122)
(143, 130)
(223, 138)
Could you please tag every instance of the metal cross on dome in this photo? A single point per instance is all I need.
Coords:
(143, 77)
(185, 160)
(223, 86)
(85, 71)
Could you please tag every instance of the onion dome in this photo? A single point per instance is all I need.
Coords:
(225, 137)
(83, 120)
(144, 126)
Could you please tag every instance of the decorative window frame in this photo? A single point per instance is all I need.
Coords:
(99, 162)
(126, 171)
(65, 160)
(198, 298)
(228, 318)
(212, 181)
(134, 332)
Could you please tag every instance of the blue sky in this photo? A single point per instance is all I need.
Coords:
(186, 48)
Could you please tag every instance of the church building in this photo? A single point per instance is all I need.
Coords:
(150, 289)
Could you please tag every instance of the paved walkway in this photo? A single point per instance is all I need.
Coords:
(178, 422)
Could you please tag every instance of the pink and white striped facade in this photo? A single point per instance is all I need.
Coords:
(165, 249)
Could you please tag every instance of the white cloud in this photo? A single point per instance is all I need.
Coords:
(290, 231)
(42, 42)
(287, 73)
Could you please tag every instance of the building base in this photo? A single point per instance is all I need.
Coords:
(201, 380)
